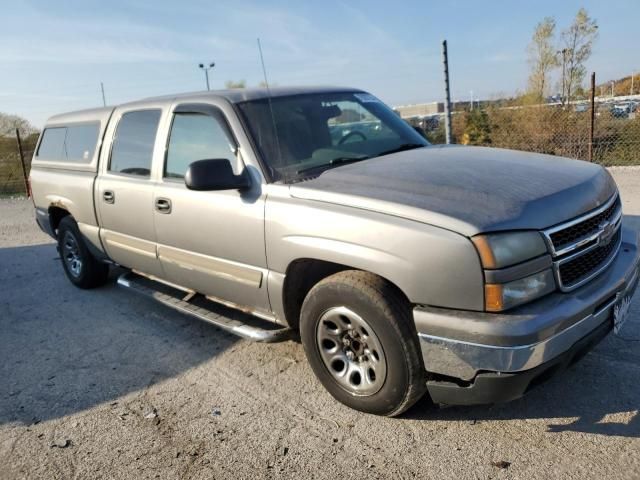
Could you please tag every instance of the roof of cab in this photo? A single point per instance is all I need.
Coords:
(236, 95)
(89, 115)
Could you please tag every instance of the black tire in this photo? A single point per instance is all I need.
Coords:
(81, 268)
(388, 314)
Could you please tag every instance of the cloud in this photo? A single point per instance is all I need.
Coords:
(89, 39)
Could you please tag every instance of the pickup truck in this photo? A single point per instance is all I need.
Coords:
(473, 274)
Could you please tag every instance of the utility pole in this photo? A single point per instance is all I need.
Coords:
(206, 72)
(593, 114)
(612, 85)
(631, 93)
(471, 97)
(104, 102)
(447, 102)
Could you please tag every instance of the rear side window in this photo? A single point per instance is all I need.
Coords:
(194, 137)
(73, 143)
(81, 142)
(132, 149)
(52, 144)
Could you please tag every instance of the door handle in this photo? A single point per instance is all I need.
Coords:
(108, 196)
(163, 205)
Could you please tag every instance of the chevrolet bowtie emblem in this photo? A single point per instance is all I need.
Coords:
(606, 232)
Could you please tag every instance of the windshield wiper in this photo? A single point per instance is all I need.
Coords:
(402, 148)
(333, 163)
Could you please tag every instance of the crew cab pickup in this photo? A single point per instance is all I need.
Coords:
(471, 273)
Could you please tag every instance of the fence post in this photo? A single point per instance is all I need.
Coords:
(24, 167)
(593, 114)
(447, 102)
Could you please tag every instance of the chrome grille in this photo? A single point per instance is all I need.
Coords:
(584, 229)
(575, 269)
(585, 246)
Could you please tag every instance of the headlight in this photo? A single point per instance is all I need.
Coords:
(499, 297)
(503, 249)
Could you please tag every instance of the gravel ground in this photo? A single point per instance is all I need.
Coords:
(107, 384)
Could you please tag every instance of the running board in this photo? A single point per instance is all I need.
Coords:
(234, 321)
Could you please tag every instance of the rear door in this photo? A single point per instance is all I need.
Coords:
(124, 192)
(211, 242)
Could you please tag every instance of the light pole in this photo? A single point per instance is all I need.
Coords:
(206, 71)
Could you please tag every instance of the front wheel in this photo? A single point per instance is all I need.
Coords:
(82, 269)
(359, 338)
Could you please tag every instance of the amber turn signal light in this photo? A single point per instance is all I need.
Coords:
(493, 297)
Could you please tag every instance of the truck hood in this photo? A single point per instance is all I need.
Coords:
(469, 190)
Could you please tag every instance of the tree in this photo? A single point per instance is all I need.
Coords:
(577, 42)
(477, 130)
(235, 84)
(542, 57)
(9, 123)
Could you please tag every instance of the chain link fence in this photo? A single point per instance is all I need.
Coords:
(551, 129)
(11, 175)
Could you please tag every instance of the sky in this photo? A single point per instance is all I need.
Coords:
(54, 54)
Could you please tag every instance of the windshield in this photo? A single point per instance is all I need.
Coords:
(307, 134)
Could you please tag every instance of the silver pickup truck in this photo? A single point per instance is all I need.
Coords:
(471, 273)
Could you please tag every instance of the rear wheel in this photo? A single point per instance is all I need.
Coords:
(81, 268)
(359, 337)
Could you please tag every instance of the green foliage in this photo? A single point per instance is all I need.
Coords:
(11, 181)
(235, 84)
(571, 52)
(542, 57)
(437, 135)
(549, 129)
(9, 123)
(577, 42)
(477, 130)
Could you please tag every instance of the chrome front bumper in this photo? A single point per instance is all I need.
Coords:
(461, 344)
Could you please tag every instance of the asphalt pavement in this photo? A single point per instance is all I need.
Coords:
(109, 384)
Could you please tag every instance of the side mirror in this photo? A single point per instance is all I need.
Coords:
(214, 174)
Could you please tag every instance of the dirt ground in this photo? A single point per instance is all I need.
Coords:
(108, 384)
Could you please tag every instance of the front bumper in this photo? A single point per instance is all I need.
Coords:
(479, 357)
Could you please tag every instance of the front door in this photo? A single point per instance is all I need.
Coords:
(211, 242)
(124, 192)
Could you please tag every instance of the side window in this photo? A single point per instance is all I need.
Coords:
(135, 137)
(195, 136)
(52, 144)
(74, 143)
(81, 142)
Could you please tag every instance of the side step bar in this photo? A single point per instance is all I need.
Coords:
(231, 320)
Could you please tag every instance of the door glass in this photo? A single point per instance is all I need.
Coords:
(132, 150)
(195, 136)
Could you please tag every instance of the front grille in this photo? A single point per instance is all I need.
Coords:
(575, 233)
(580, 247)
(573, 271)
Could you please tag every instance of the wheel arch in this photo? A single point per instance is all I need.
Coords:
(302, 274)
(56, 214)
